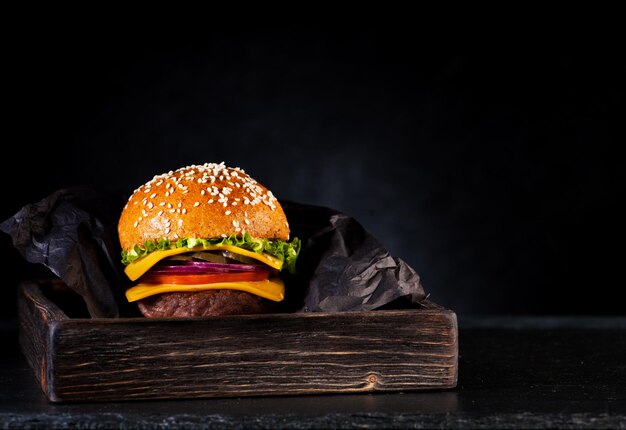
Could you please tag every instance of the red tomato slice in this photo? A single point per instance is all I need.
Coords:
(205, 278)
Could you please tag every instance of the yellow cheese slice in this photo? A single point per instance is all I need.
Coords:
(272, 289)
(140, 266)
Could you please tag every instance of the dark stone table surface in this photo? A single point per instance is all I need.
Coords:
(514, 372)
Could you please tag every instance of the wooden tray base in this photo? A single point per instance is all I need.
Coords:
(84, 359)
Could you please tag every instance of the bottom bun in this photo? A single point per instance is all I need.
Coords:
(204, 304)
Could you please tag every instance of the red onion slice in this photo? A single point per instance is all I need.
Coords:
(188, 267)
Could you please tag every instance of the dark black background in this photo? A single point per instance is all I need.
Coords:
(490, 165)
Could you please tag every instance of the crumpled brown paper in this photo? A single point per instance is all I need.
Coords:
(341, 267)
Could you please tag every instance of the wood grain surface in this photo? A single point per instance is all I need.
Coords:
(80, 359)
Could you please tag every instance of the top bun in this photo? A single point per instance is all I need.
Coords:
(201, 201)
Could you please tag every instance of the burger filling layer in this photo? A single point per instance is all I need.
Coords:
(271, 289)
(197, 265)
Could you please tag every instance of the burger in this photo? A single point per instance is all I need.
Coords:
(205, 240)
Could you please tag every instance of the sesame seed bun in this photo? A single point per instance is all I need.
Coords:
(201, 201)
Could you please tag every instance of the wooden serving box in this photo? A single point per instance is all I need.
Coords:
(85, 359)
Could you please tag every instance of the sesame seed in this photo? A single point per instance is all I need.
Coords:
(136, 224)
(247, 221)
(169, 205)
(153, 195)
(150, 205)
(162, 204)
(234, 203)
(167, 230)
(184, 211)
(196, 204)
(202, 192)
(210, 200)
(223, 235)
(160, 213)
(227, 212)
(172, 211)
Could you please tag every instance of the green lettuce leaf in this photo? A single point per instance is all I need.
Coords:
(287, 252)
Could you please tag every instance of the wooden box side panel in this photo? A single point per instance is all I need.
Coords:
(256, 355)
(37, 317)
